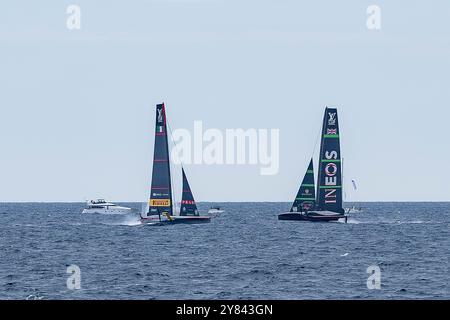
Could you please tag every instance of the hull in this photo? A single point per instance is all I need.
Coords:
(315, 216)
(111, 210)
(176, 220)
(214, 212)
(353, 210)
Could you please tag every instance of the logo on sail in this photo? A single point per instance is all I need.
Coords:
(331, 131)
(160, 117)
(307, 205)
(160, 202)
(331, 169)
(330, 193)
(331, 177)
(331, 118)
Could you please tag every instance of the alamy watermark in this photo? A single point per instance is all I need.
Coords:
(374, 280)
(73, 21)
(232, 147)
(374, 19)
(74, 280)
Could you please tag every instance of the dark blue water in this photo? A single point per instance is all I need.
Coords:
(245, 253)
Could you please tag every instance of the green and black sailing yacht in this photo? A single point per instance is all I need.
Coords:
(327, 205)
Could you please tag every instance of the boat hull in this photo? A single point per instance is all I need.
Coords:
(177, 220)
(315, 216)
(214, 212)
(110, 210)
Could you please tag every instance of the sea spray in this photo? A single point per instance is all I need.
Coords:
(131, 220)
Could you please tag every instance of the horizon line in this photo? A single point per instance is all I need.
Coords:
(122, 201)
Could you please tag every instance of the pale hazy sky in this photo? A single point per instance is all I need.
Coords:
(77, 107)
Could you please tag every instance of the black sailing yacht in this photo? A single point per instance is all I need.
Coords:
(161, 204)
(327, 206)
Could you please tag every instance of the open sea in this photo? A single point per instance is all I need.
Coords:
(244, 253)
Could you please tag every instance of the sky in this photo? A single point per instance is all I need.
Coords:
(78, 106)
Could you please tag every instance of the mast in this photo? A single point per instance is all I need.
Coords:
(188, 205)
(329, 180)
(344, 193)
(306, 195)
(161, 189)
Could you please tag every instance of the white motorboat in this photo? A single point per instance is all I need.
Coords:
(354, 209)
(104, 207)
(215, 210)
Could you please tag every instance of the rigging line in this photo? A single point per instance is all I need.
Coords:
(340, 148)
(343, 180)
(317, 141)
(170, 162)
(173, 141)
(314, 151)
(176, 147)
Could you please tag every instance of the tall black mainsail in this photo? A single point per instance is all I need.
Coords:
(161, 190)
(306, 196)
(188, 206)
(329, 195)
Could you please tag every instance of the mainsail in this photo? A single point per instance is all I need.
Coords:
(188, 206)
(306, 196)
(329, 195)
(161, 191)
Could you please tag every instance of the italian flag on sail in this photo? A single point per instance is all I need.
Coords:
(159, 129)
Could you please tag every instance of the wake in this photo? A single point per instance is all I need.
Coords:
(129, 220)
(389, 222)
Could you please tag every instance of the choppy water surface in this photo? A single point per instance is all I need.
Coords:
(244, 253)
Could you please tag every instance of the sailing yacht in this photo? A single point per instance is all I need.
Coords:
(160, 209)
(327, 205)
